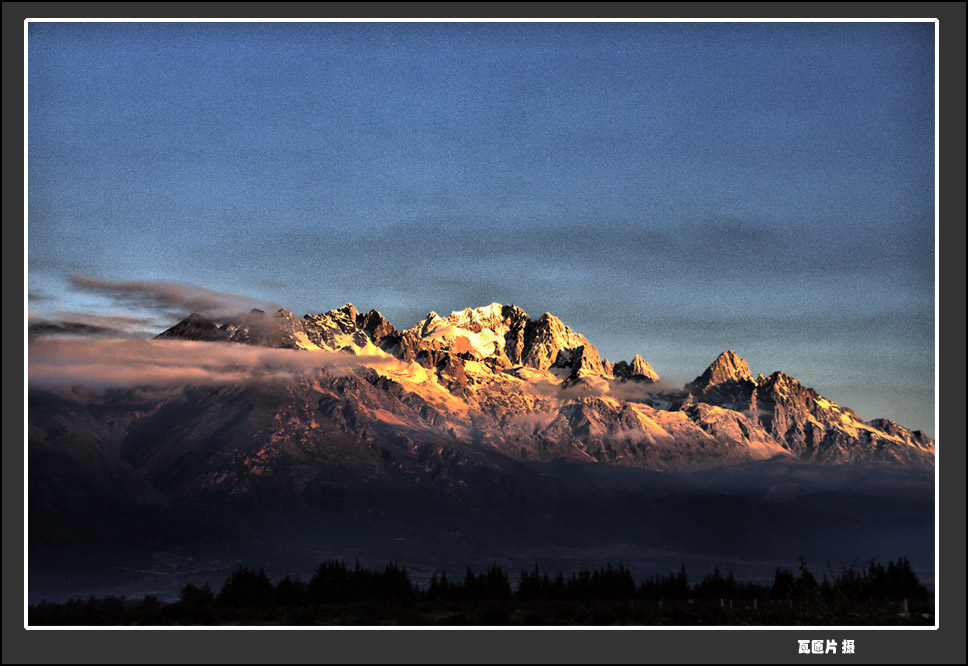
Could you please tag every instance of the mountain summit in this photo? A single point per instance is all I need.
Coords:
(195, 327)
(728, 367)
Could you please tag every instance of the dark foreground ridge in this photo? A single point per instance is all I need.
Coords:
(340, 595)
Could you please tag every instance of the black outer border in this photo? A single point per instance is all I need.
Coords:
(946, 645)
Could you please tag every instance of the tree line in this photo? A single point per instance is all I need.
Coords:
(335, 584)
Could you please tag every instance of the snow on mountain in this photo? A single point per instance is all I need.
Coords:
(479, 332)
(488, 372)
(546, 338)
(727, 374)
(799, 419)
(637, 370)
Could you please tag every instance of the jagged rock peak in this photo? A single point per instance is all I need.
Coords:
(728, 367)
(779, 377)
(493, 331)
(195, 318)
(493, 316)
(886, 425)
(374, 324)
(640, 368)
(345, 314)
(915, 437)
(349, 310)
(557, 329)
(781, 383)
(514, 312)
(583, 361)
(343, 320)
(475, 319)
(423, 327)
(545, 338)
(194, 327)
(192, 322)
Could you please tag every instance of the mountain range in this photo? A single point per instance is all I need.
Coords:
(482, 432)
(537, 390)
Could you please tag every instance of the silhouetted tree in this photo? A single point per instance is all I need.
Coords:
(330, 583)
(805, 586)
(246, 588)
(903, 583)
(713, 586)
(783, 584)
(290, 592)
(196, 597)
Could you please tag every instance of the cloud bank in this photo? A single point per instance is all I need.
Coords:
(125, 363)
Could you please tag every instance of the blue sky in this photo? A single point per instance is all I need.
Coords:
(671, 190)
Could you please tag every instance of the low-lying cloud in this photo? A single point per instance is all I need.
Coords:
(532, 421)
(596, 387)
(125, 363)
(99, 363)
(170, 298)
(634, 391)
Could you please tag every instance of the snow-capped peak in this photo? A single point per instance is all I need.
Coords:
(478, 330)
(728, 367)
(640, 368)
(485, 316)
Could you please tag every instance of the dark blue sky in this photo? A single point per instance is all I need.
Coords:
(672, 190)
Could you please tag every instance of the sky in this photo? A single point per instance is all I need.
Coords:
(666, 189)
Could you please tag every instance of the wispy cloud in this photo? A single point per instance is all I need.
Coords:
(90, 324)
(38, 326)
(531, 422)
(122, 363)
(170, 298)
(596, 387)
